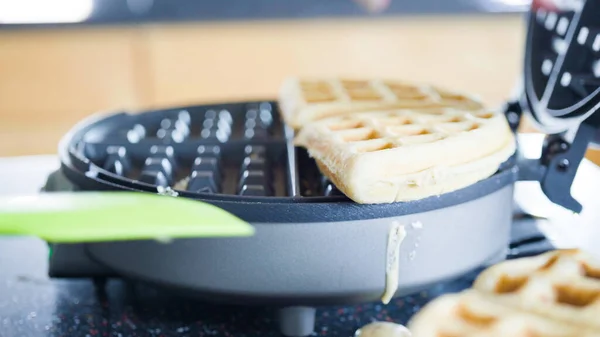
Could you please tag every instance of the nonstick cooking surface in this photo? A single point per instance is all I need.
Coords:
(230, 149)
(227, 154)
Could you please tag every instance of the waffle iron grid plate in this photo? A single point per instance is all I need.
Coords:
(232, 155)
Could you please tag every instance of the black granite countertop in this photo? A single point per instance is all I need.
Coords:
(32, 305)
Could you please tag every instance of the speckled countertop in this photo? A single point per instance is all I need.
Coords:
(32, 305)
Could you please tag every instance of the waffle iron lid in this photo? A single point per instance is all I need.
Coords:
(561, 91)
(562, 65)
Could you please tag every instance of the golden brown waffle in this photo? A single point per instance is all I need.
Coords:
(551, 295)
(471, 314)
(401, 155)
(562, 285)
(303, 100)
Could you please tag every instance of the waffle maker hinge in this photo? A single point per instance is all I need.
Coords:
(561, 94)
(557, 166)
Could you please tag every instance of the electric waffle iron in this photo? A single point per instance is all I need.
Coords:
(313, 246)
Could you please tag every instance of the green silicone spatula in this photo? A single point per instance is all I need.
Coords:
(114, 216)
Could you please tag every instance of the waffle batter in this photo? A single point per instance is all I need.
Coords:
(392, 264)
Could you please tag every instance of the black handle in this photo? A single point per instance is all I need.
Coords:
(557, 166)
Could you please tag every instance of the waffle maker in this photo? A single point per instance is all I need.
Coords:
(313, 246)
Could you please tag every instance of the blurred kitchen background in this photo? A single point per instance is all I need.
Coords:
(63, 60)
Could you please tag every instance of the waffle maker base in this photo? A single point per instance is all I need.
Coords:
(307, 251)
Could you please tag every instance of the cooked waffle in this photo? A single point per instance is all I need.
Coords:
(561, 285)
(401, 155)
(552, 295)
(303, 100)
(471, 314)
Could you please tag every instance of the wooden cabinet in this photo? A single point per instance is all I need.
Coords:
(49, 80)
